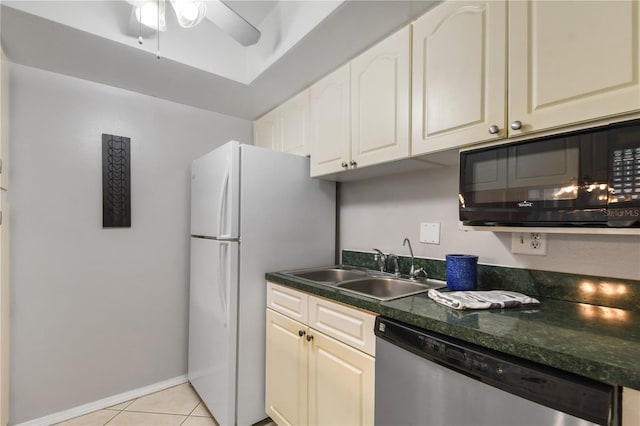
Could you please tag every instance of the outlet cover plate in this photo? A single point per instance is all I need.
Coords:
(533, 243)
(430, 233)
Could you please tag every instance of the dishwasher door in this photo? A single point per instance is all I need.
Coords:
(413, 390)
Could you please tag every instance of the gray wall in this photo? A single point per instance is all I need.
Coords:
(97, 312)
(380, 212)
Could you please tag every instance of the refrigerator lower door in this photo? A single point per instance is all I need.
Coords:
(213, 313)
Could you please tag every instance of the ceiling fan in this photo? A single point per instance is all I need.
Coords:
(151, 14)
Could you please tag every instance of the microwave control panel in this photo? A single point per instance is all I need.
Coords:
(625, 176)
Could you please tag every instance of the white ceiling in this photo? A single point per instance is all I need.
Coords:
(204, 67)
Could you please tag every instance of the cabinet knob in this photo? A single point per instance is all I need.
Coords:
(301, 333)
(516, 125)
(494, 129)
(344, 164)
(309, 337)
(353, 163)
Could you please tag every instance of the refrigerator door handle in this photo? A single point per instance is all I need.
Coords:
(223, 281)
(223, 219)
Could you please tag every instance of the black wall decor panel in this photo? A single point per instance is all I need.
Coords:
(116, 181)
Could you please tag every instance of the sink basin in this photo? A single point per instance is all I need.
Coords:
(374, 284)
(331, 275)
(387, 288)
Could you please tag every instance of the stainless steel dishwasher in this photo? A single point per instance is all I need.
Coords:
(423, 378)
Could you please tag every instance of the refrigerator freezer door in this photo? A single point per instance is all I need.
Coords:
(213, 310)
(215, 193)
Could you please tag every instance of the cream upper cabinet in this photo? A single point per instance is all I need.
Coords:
(571, 62)
(294, 124)
(380, 101)
(330, 124)
(265, 131)
(286, 128)
(459, 75)
(360, 112)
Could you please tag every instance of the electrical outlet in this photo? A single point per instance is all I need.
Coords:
(533, 243)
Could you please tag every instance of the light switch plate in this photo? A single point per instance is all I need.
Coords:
(430, 233)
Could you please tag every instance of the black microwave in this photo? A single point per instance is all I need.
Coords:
(588, 178)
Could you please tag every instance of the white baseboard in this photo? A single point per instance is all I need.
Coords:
(110, 401)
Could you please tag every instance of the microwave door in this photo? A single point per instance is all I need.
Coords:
(545, 172)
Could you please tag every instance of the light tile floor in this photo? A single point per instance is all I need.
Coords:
(176, 406)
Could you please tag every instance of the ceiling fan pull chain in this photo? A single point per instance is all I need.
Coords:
(158, 52)
(140, 29)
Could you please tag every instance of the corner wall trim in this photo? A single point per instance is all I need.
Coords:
(105, 402)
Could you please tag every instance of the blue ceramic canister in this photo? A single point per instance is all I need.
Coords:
(462, 271)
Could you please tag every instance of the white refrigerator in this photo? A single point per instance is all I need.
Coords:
(253, 211)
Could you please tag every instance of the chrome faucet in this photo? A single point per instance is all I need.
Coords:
(413, 272)
(381, 258)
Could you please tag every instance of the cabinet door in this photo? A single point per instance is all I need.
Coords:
(572, 61)
(4, 122)
(265, 131)
(380, 101)
(294, 124)
(286, 370)
(4, 241)
(330, 123)
(459, 75)
(341, 383)
(630, 407)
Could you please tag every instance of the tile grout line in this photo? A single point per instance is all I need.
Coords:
(191, 412)
(157, 412)
(121, 411)
(113, 417)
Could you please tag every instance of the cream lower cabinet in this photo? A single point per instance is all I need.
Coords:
(287, 361)
(311, 377)
(4, 241)
(630, 407)
(571, 62)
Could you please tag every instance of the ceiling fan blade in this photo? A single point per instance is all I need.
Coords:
(232, 23)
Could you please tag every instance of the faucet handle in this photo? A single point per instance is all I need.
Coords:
(381, 258)
(413, 274)
(396, 266)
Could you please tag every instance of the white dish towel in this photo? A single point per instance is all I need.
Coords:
(494, 299)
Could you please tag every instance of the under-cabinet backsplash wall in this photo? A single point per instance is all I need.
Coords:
(579, 288)
(381, 212)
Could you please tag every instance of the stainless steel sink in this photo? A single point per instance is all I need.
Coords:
(329, 275)
(388, 288)
(374, 284)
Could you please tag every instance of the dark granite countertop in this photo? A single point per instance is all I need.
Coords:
(598, 342)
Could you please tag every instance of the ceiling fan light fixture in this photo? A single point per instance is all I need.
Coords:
(189, 12)
(147, 14)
